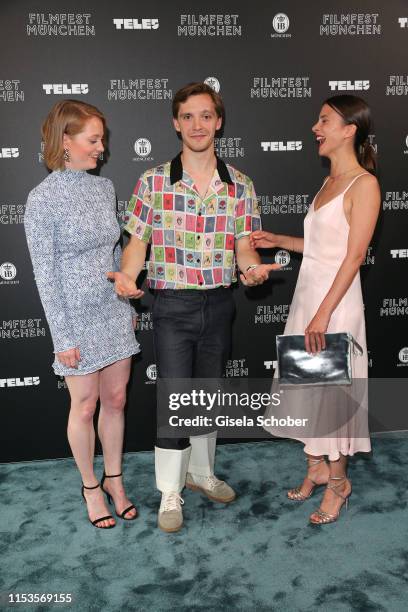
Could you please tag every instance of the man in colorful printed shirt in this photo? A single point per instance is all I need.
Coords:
(197, 214)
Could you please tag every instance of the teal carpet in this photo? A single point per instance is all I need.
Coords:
(257, 554)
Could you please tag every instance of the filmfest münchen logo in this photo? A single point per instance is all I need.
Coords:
(281, 87)
(209, 25)
(395, 200)
(12, 214)
(397, 85)
(229, 147)
(284, 204)
(406, 144)
(350, 24)
(265, 314)
(213, 83)
(10, 91)
(403, 22)
(136, 24)
(139, 89)
(280, 24)
(60, 24)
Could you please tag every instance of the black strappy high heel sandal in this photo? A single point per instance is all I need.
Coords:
(110, 500)
(102, 518)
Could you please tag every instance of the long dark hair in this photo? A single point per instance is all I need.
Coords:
(355, 111)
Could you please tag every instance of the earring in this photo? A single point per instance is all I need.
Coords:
(66, 155)
(100, 156)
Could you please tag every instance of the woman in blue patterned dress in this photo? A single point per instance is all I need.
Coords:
(72, 234)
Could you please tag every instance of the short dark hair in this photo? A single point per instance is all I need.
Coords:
(195, 89)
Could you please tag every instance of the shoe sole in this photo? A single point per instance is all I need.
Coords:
(193, 487)
(170, 529)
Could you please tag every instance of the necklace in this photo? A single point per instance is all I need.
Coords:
(343, 173)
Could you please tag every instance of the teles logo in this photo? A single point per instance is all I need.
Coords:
(271, 365)
(136, 24)
(403, 21)
(213, 83)
(8, 273)
(399, 253)
(9, 152)
(349, 85)
(28, 381)
(64, 88)
(280, 24)
(143, 149)
(289, 145)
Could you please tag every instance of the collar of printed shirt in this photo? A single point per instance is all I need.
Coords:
(220, 177)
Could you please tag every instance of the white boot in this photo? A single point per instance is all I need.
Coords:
(171, 469)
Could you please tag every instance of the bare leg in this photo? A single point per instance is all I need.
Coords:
(317, 474)
(111, 425)
(332, 502)
(81, 435)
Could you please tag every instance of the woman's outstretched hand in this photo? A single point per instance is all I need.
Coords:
(263, 240)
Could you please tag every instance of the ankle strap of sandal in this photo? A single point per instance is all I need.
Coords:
(95, 487)
(113, 476)
(311, 462)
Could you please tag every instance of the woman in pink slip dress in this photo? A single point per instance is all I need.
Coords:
(337, 232)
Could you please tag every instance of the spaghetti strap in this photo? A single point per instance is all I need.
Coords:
(353, 181)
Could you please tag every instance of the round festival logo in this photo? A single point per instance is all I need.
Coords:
(280, 23)
(403, 355)
(213, 83)
(282, 257)
(151, 371)
(8, 271)
(143, 147)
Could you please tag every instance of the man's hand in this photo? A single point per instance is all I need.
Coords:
(263, 240)
(69, 358)
(258, 275)
(124, 285)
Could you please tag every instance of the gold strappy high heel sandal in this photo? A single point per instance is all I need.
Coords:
(296, 494)
(323, 518)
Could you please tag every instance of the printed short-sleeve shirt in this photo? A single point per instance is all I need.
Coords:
(192, 239)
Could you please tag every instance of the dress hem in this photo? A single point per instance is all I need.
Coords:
(103, 364)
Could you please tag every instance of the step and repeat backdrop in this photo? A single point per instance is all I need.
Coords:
(274, 64)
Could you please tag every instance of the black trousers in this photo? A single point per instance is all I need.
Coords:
(192, 337)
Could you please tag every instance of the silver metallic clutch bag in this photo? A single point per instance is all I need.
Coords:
(332, 366)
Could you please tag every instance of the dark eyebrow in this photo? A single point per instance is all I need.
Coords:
(323, 116)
